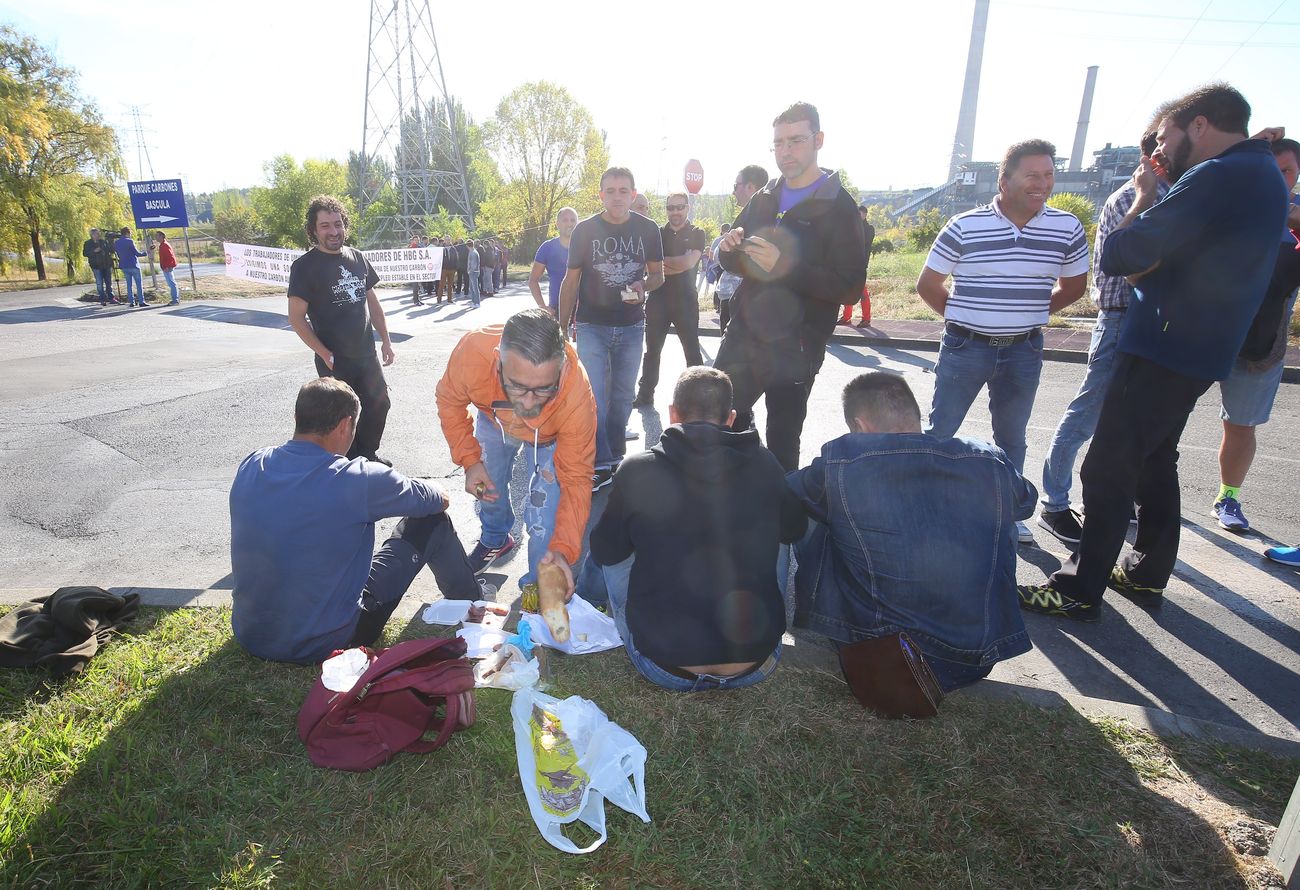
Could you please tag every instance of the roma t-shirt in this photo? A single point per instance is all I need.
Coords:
(611, 257)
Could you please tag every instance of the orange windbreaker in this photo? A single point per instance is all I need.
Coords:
(472, 378)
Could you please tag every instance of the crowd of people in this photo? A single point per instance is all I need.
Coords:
(691, 554)
(471, 268)
(123, 254)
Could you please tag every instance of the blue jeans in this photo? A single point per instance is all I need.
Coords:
(612, 355)
(1080, 419)
(616, 580)
(475, 293)
(170, 275)
(541, 503)
(104, 284)
(1011, 372)
(134, 275)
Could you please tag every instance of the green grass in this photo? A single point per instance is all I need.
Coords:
(174, 760)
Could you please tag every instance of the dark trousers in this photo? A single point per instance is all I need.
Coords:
(462, 283)
(416, 542)
(674, 306)
(787, 404)
(1133, 457)
(366, 378)
(724, 315)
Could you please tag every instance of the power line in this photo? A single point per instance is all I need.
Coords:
(1091, 12)
(1248, 39)
(1170, 60)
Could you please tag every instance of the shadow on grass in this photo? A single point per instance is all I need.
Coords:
(175, 760)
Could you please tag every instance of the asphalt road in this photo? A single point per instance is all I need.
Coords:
(121, 430)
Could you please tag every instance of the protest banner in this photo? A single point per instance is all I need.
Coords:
(395, 267)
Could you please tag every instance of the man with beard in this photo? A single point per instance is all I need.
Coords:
(334, 310)
(1200, 261)
(528, 390)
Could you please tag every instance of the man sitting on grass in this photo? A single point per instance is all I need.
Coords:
(689, 543)
(912, 533)
(302, 534)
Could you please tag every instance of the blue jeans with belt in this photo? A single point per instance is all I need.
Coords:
(1080, 419)
(1011, 372)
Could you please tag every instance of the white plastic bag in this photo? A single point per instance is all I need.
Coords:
(480, 641)
(585, 760)
(509, 669)
(590, 630)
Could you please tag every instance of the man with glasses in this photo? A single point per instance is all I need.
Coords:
(529, 391)
(798, 248)
(676, 303)
(615, 258)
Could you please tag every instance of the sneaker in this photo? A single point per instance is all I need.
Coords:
(174, 303)
(1287, 556)
(1064, 525)
(1228, 512)
(1023, 534)
(1047, 600)
(631, 434)
(1148, 597)
(483, 556)
(602, 477)
(863, 324)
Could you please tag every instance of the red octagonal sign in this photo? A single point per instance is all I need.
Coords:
(694, 176)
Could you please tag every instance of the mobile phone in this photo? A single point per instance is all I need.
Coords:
(750, 242)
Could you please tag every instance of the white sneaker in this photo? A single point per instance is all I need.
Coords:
(1023, 534)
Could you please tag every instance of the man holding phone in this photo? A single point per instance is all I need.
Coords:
(798, 248)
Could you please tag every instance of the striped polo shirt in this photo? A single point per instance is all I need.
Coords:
(1002, 276)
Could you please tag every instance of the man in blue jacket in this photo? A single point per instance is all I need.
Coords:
(302, 534)
(957, 500)
(1200, 260)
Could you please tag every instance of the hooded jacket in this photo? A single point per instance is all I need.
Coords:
(704, 511)
(473, 377)
(786, 315)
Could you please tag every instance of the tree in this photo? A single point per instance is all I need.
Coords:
(238, 223)
(923, 228)
(75, 204)
(548, 151)
(282, 205)
(51, 136)
(1080, 206)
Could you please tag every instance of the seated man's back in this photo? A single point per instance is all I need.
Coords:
(302, 538)
(704, 513)
(913, 534)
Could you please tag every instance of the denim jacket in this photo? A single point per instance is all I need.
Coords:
(914, 534)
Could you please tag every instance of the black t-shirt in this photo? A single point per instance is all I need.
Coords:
(677, 244)
(334, 286)
(611, 257)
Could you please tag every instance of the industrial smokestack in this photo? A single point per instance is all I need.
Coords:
(970, 91)
(1085, 112)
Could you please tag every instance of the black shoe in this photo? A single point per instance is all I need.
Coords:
(1146, 597)
(602, 477)
(1047, 600)
(1064, 525)
(377, 459)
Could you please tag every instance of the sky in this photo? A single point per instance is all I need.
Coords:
(224, 87)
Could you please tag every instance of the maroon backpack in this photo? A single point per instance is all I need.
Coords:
(395, 702)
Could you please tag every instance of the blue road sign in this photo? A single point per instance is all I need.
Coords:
(158, 204)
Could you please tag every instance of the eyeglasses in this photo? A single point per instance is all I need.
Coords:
(537, 392)
(792, 142)
(672, 207)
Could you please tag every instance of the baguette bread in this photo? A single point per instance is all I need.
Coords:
(551, 588)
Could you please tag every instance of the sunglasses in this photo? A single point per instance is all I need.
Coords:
(672, 207)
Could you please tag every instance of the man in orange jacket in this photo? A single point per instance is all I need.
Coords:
(529, 390)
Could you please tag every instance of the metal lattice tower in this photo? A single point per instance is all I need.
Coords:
(408, 137)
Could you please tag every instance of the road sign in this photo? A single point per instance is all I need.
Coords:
(158, 204)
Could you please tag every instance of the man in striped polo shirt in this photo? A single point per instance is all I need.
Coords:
(1012, 262)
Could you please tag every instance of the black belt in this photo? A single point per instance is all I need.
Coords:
(691, 675)
(1004, 340)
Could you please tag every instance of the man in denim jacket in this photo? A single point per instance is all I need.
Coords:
(912, 533)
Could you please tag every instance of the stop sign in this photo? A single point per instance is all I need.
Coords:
(694, 176)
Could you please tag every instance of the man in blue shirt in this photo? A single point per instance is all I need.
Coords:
(302, 534)
(1200, 260)
(553, 259)
(887, 482)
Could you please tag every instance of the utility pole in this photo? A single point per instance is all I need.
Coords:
(409, 137)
